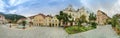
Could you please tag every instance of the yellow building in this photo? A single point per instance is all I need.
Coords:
(43, 20)
(38, 20)
(54, 22)
(47, 20)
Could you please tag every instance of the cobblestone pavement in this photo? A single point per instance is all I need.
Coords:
(55, 32)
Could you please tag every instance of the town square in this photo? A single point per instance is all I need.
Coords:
(33, 19)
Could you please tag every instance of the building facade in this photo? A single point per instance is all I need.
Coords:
(101, 17)
(82, 11)
(21, 20)
(47, 20)
(2, 19)
(43, 20)
(54, 22)
(38, 20)
(76, 13)
(30, 20)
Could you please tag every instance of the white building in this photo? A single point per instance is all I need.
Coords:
(76, 13)
(2, 19)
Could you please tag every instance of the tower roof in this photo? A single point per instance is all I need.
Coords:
(69, 8)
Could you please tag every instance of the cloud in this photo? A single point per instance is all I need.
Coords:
(51, 7)
(116, 8)
(17, 2)
(47, 10)
(11, 6)
(30, 7)
(2, 6)
(13, 11)
(12, 2)
(88, 4)
(56, 0)
(105, 5)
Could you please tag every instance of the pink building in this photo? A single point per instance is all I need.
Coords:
(101, 17)
(2, 19)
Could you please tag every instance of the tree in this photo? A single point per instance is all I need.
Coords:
(13, 17)
(23, 23)
(71, 22)
(63, 17)
(115, 21)
(109, 21)
(60, 16)
(81, 20)
(94, 24)
(92, 17)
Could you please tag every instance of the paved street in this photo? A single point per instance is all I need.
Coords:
(34, 32)
(55, 32)
(100, 32)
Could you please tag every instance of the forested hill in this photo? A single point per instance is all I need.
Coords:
(12, 17)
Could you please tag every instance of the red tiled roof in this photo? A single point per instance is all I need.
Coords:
(23, 19)
(31, 17)
(103, 13)
(49, 16)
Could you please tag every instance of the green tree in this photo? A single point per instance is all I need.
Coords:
(63, 17)
(13, 17)
(81, 20)
(109, 21)
(71, 22)
(23, 23)
(60, 17)
(92, 17)
(115, 21)
(94, 24)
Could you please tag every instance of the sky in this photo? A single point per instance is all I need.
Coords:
(52, 7)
